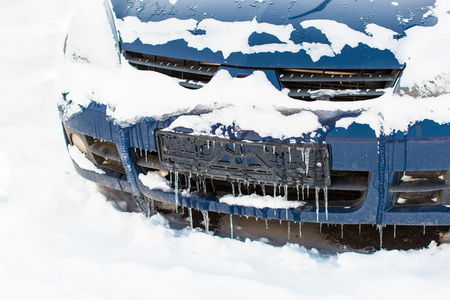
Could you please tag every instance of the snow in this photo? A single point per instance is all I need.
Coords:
(260, 201)
(125, 90)
(216, 34)
(154, 180)
(82, 161)
(60, 239)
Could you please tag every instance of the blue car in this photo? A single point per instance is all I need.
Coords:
(305, 111)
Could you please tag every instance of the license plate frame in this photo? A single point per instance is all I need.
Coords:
(245, 161)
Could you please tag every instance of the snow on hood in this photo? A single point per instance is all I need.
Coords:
(234, 30)
(253, 103)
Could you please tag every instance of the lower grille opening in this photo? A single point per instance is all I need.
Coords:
(420, 188)
(347, 189)
(102, 153)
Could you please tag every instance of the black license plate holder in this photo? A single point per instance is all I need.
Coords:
(245, 161)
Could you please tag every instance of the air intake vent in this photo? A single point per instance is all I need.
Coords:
(337, 85)
(420, 188)
(347, 188)
(193, 74)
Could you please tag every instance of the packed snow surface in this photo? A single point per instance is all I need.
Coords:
(82, 161)
(60, 239)
(260, 201)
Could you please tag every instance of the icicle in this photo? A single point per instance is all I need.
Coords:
(267, 224)
(285, 192)
(153, 206)
(423, 229)
(359, 228)
(303, 192)
(380, 230)
(140, 151)
(170, 176)
(300, 229)
(264, 149)
(298, 192)
(302, 151)
(289, 230)
(214, 144)
(197, 185)
(274, 190)
(232, 189)
(325, 194)
(213, 185)
(191, 220)
(307, 191)
(231, 226)
(395, 231)
(135, 151)
(320, 227)
(189, 182)
(317, 203)
(287, 210)
(239, 188)
(307, 160)
(204, 185)
(342, 231)
(176, 191)
(256, 219)
(206, 219)
(281, 222)
(145, 155)
(207, 145)
(263, 187)
(290, 156)
(273, 149)
(248, 191)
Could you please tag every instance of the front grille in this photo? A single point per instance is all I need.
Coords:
(193, 74)
(303, 84)
(421, 188)
(337, 85)
(347, 188)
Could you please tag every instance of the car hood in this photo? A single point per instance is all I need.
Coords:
(335, 34)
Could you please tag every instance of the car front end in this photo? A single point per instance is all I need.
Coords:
(308, 112)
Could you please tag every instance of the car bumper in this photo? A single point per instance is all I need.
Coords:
(402, 179)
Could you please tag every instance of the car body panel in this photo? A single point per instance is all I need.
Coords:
(386, 158)
(298, 20)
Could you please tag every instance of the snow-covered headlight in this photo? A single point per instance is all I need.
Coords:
(79, 143)
(92, 36)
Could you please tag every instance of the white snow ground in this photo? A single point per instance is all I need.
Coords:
(60, 239)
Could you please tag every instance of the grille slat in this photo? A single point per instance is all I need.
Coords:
(173, 67)
(321, 94)
(337, 78)
(337, 85)
(303, 84)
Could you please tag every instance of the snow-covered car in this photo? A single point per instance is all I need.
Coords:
(327, 111)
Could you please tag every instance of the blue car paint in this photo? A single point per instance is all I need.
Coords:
(355, 14)
(424, 146)
(356, 148)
